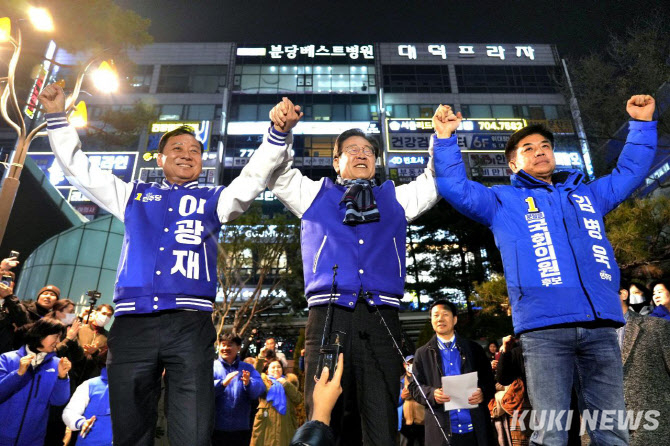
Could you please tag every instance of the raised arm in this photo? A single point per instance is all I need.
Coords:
(292, 188)
(101, 187)
(470, 198)
(419, 195)
(635, 159)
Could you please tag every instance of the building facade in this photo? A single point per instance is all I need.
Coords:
(225, 91)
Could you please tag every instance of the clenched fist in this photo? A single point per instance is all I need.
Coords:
(64, 366)
(24, 363)
(285, 115)
(641, 107)
(52, 99)
(445, 122)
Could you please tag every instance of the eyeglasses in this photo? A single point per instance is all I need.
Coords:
(355, 150)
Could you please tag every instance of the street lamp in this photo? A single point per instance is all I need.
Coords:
(42, 21)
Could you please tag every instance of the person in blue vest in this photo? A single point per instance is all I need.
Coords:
(562, 277)
(32, 379)
(359, 226)
(236, 385)
(88, 412)
(167, 269)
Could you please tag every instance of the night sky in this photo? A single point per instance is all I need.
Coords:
(577, 27)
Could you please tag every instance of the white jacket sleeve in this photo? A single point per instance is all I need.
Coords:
(101, 187)
(292, 188)
(419, 195)
(73, 414)
(243, 190)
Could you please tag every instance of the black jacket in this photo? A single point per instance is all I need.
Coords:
(428, 371)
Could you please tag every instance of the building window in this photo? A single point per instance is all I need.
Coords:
(282, 79)
(140, 80)
(316, 107)
(170, 112)
(416, 79)
(192, 79)
(506, 79)
(410, 110)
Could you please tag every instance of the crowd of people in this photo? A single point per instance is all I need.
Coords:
(54, 381)
(575, 344)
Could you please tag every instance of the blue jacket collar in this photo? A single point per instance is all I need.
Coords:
(566, 179)
(235, 363)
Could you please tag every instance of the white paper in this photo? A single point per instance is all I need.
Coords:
(459, 388)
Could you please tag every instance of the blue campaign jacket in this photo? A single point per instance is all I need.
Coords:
(25, 400)
(233, 401)
(369, 256)
(98, 405)
(559, 266)
(662, 312)
(168, 259)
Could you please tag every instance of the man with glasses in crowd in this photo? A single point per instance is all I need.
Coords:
(359, 226)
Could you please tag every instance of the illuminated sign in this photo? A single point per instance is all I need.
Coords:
(121, 164)
(658, 173)
(467, 125)
(398, 160)
(40, 77)
(202, 129)
(304, 128)
(207, 176)
(311, 51)
(569, 159)
(443, 51)
(411, 135)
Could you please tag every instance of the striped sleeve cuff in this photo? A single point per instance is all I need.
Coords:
(56, 120)
(79, 423)
(276, 137)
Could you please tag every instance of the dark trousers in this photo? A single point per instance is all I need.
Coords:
(469, 439)
(141, 347)
(231, 438)
(366, 413)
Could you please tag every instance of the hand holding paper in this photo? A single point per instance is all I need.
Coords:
(460, 389)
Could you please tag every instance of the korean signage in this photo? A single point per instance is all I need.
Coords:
(202, 129)
(409, 135)
(304, 128)
(121, 164)
(445, 51)
(290, 52)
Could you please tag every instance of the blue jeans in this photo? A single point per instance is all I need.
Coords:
(588, 359)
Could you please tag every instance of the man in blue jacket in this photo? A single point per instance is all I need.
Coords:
(236, 385)
(167, 276)
(562, 277)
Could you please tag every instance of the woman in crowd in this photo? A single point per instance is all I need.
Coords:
(32, 379)
(638, 299)
(275, 421)
(661, 298)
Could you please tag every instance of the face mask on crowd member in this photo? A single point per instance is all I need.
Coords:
(102, 315)
(636, 295)
(101, 320)
(63, 310)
